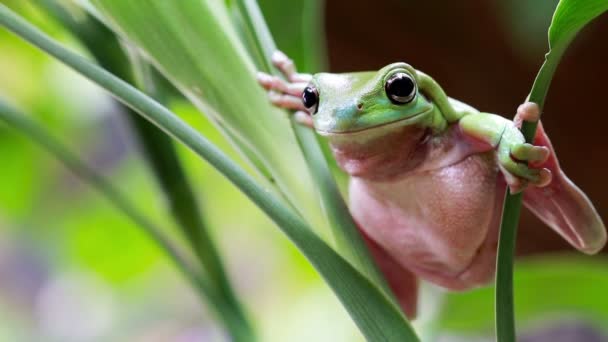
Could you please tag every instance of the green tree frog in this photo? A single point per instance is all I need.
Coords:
(428, 172)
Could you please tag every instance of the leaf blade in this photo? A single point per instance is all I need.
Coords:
(208, 63)
(570, 17)
(378, 318)
(344, 229)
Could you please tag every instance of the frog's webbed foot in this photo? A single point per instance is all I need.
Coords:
(520, 162)
(287, 94)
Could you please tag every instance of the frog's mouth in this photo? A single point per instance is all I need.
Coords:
(381, 127)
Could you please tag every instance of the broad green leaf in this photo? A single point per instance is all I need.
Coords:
(161, 155)
(570, 17)
(196, 46)
(297, 27)
(377, 317)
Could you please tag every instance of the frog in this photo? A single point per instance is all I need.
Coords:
(428, 173)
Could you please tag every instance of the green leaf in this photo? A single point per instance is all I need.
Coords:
(345, 232)
(161, 155)
(377, 317)
(38, 134)
(206, 60)
(297, 27)
(569, 18)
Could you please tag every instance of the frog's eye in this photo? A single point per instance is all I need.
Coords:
(310, 99)
(400, 88)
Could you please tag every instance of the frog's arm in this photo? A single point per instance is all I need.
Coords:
(448, 109)
(515, 157)
(556, 200)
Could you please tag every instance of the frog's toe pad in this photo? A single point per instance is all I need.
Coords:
(265, 80)
(544, 178)
(518, 176)
(285, 101)
(270, 82)
(527, 111)
(303, 118)
(535, 155)
(282, 62)
(287, 67)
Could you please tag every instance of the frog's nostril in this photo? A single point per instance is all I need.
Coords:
(360, 105)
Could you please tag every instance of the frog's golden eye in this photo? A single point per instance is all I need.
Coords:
(310, 99)
(400, 88)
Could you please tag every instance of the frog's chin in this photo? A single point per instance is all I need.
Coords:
(381, 156)
(378, 129)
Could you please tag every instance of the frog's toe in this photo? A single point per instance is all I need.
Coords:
(287, 67)
(303, 118)
(270, 82)
(265, 80)
(544, 178)
(516, 184)
(518, 175)
(527, 111)
(286, 101)
(283, 63)
(530, 153)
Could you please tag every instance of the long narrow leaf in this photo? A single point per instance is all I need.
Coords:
(348, 238)
(377, 317)
(38, 134)
(569, 18)
(162, 157)
(207, 62)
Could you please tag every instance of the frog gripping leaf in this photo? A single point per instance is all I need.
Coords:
(428, 172)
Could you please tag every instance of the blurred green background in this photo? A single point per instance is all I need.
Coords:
(74, 269)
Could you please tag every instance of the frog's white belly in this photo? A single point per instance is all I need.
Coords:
(441, 223)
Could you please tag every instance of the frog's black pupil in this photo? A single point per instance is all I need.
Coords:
(400, 88)
(310, 97)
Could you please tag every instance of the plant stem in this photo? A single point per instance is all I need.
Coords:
(505, 307)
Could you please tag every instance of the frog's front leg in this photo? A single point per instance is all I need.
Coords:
(517, 159)
(287, 94)
(562, 205)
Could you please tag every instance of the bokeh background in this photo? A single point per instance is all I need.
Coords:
(74, 269)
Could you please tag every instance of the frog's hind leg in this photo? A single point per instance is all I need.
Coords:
(561, 204)
(401, 280)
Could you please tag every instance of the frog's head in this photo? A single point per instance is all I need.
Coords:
(356, 102)
(376, 122)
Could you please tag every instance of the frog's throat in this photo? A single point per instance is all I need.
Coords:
(418, 117)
